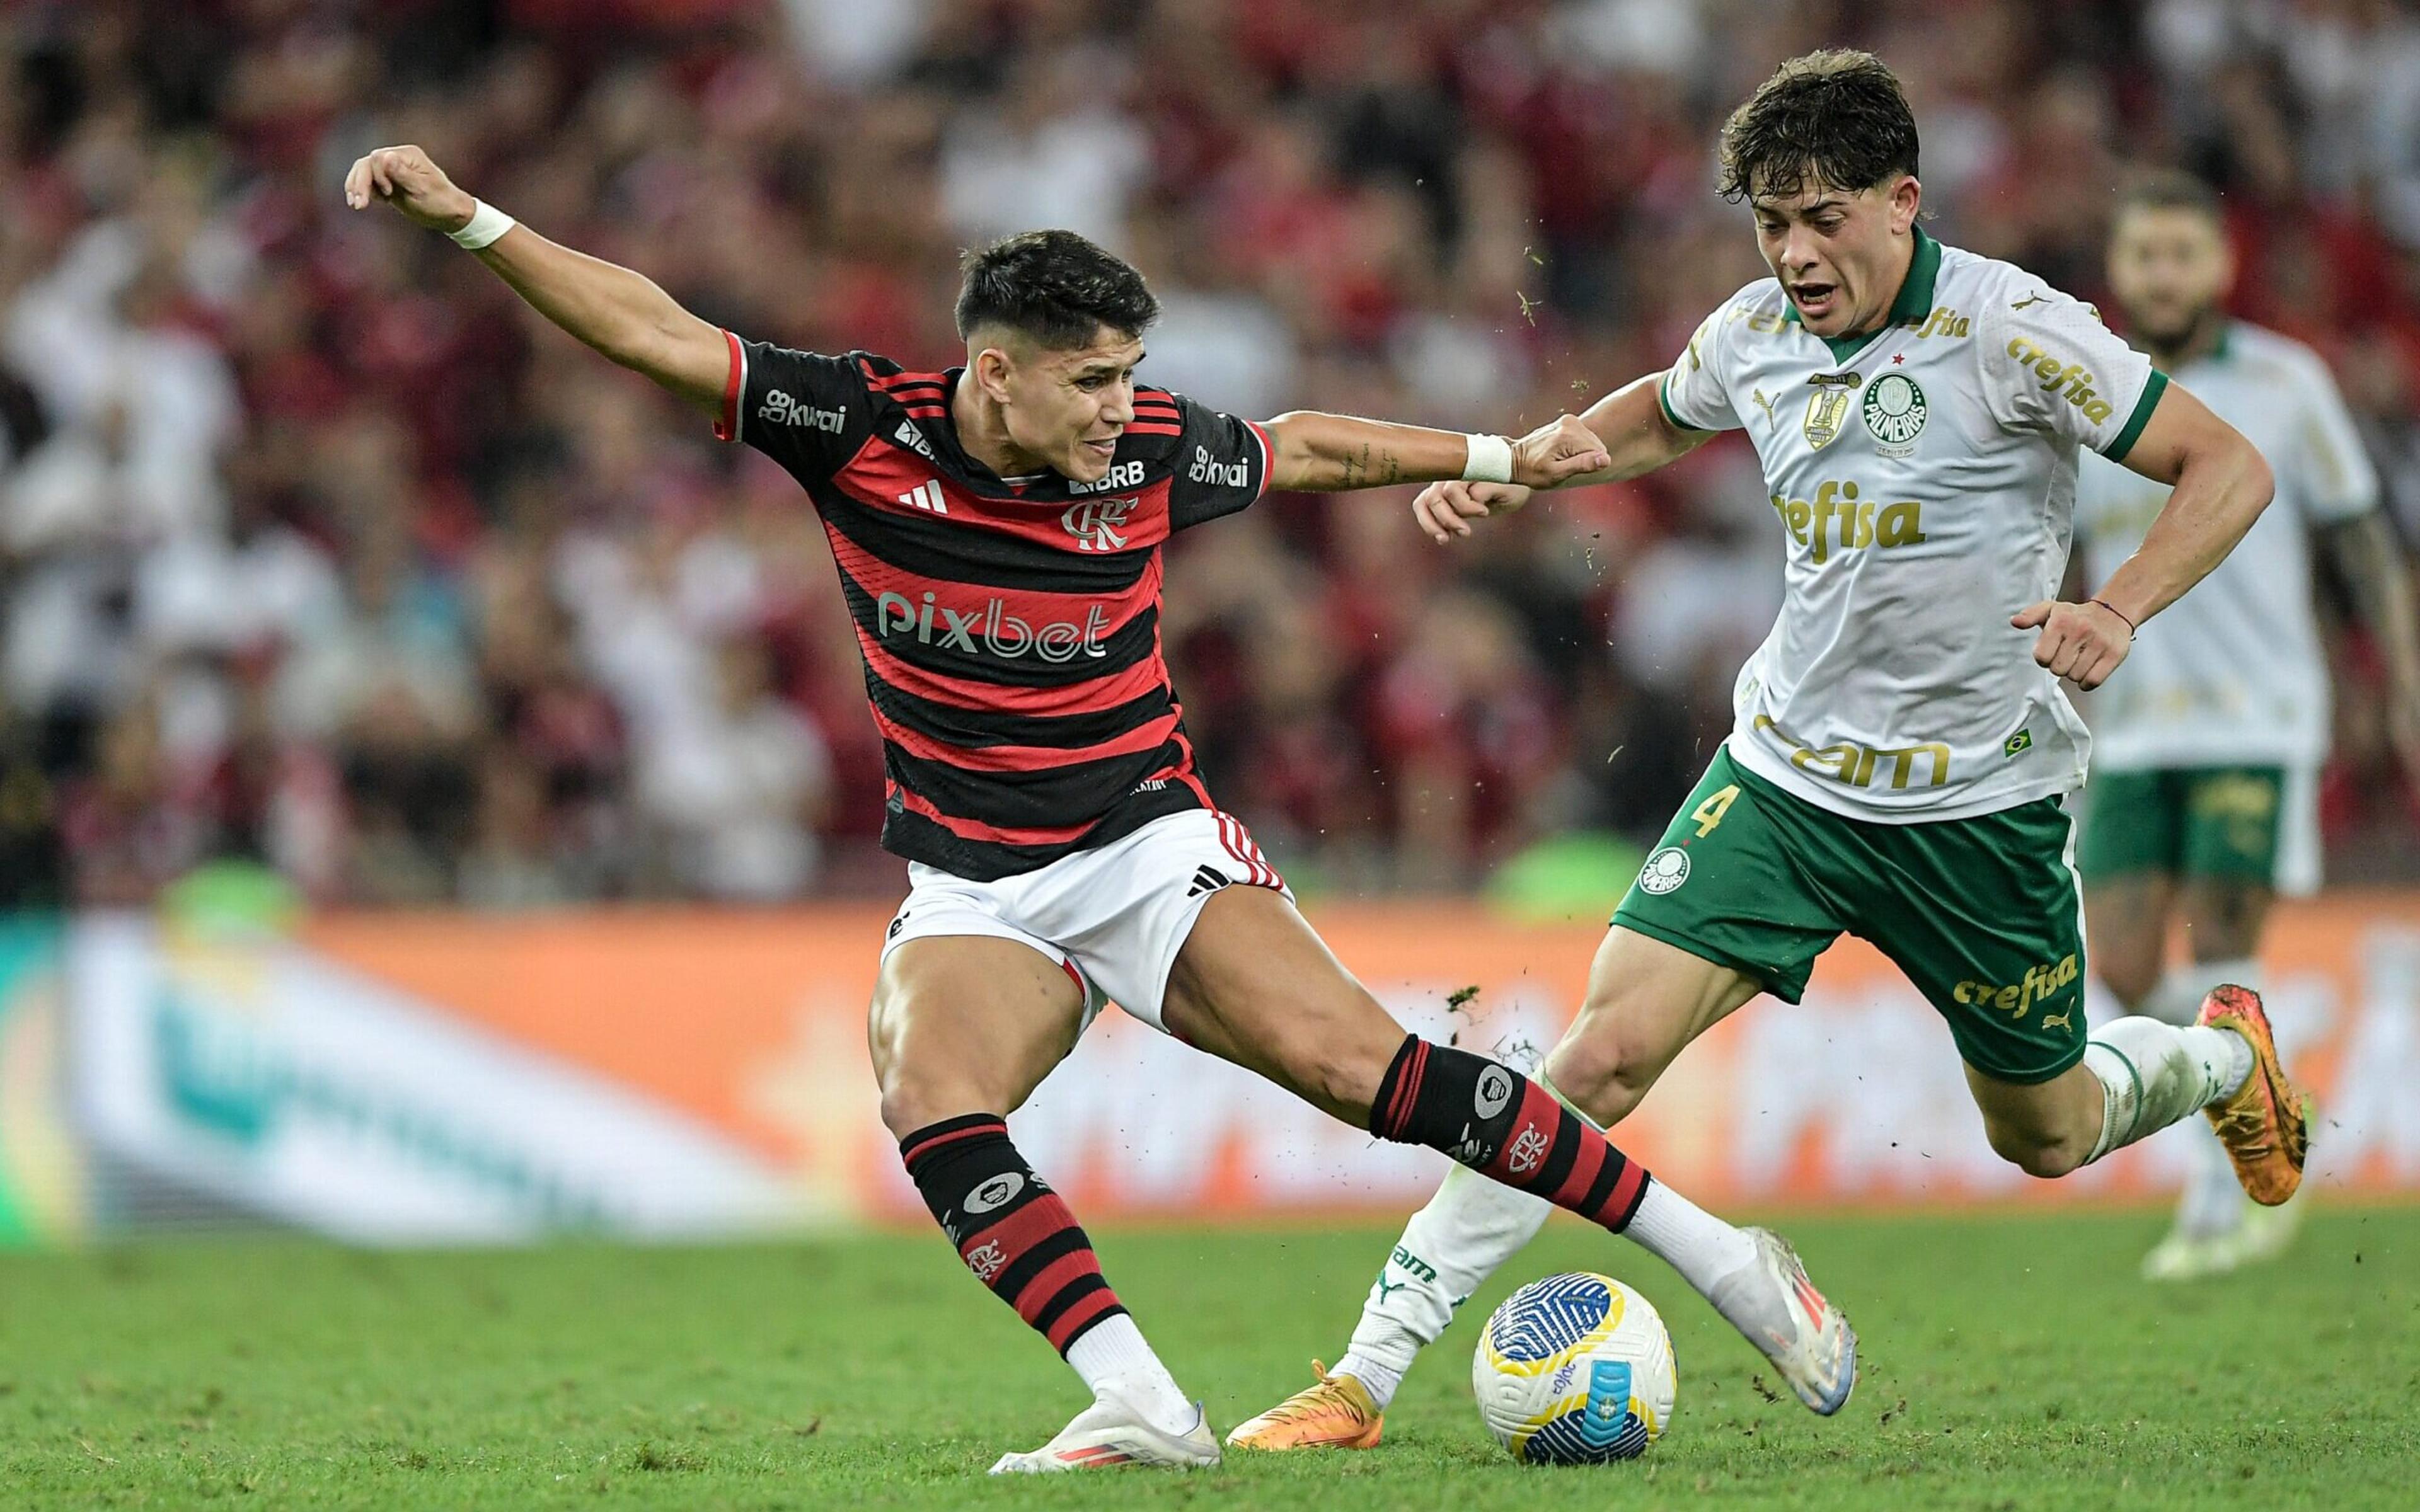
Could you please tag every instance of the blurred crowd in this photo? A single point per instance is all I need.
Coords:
(323, 555)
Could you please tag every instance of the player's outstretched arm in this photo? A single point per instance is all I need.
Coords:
(2222, 483)
(1638, 438)
(1315, 453)
(622, 314)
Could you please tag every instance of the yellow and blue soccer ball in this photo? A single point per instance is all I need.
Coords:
(1575, 1370)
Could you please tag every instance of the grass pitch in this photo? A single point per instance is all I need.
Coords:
(2011, 1361)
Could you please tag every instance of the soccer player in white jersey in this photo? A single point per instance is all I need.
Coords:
(2204, 793)
(1902, 747)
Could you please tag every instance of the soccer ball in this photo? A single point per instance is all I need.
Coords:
(1575, 1370)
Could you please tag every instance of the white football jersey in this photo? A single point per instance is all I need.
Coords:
(1925, 477)
(2232, 673)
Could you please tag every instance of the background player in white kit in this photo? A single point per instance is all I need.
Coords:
(1901, 747)
(2205, 780)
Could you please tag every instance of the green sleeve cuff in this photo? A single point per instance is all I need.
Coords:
(1664, 402)
(2157, 384)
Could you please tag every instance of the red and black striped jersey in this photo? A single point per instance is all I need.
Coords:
(1010, 628)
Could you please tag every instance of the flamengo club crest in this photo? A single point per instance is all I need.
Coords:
(1096, 523)
(1894, 412)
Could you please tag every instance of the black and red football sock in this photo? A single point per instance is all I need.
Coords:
(1013, 1231)
(1503, 1125)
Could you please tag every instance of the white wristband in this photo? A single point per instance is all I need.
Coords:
(1490, 460)
(487, 224)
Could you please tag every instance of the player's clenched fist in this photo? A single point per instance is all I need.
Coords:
(1556, 452)
(405, 179)
(2080, 642)
(1444, 510)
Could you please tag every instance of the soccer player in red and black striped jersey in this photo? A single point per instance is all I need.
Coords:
(998, 529)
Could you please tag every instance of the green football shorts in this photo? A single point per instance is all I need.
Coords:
(1983, 915)
(2185, 822)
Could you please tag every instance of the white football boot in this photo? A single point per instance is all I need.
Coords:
(1777, 1307)
(1109, 1433)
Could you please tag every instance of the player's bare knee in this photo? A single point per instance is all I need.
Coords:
(917, 1098)
(2045, 1153)
(2131, 976)
(1599, 1073)
(2222, 920)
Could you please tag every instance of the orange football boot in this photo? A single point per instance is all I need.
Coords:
(1336, 1413)
(2266, 1126)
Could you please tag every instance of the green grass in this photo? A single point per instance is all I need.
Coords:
(2011, 1361)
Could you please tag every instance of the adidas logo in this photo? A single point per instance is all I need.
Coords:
(926, 495)
(1205, 880)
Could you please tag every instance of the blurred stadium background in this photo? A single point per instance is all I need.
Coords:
(435, 797)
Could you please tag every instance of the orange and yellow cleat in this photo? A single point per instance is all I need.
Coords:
(2266, 1125)
(1336, 1413)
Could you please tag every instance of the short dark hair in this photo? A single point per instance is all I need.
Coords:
(2170, 189)
(1055, 286)
(1836, 119)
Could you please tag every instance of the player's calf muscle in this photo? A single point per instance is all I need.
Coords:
(1646, 1001)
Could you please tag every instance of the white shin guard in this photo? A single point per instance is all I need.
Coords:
(2152, 1075)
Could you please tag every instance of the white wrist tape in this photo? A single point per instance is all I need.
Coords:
(487, 224)
(1490, 461)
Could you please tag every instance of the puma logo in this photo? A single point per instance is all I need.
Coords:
(1766, 404)
(2030, 298)
(1387, 1288)
(2059, 1021)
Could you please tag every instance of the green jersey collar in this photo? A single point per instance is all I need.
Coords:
(1913, 304)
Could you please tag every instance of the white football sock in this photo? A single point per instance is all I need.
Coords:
(2212, 1202)
(1472, 1226)
(1450, 1247)
(2152, 1075)
(1112, 1355)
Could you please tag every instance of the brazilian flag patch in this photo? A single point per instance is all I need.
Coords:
(2022, 740)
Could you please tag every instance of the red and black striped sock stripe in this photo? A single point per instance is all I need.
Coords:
(1012, 1230)
(1503, 1125)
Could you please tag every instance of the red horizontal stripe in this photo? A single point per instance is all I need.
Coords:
(1040, 1291)
(1625, 1191)
(927, 412)
(874, 574)
(1149, 735)
(921, 1148)
(1021, 1229)
(1084, 697)
(1081, 1317)
(992, 834)
(1140, 429)
(902, 381)
(1586, 1166)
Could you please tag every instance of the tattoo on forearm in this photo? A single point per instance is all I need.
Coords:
(1395, 468)
(1357, 468)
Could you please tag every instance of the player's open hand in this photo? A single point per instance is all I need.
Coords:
(1556, 454)
(2080, 642)
(405, 179)
(1444, 510)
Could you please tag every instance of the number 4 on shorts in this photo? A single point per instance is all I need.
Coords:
(1709, 813)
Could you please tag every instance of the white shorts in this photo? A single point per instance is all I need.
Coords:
(1114, 917)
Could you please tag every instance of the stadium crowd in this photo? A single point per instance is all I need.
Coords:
(321, 552)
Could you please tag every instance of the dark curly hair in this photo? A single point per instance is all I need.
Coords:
(1834, 119)
(1054, 287)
